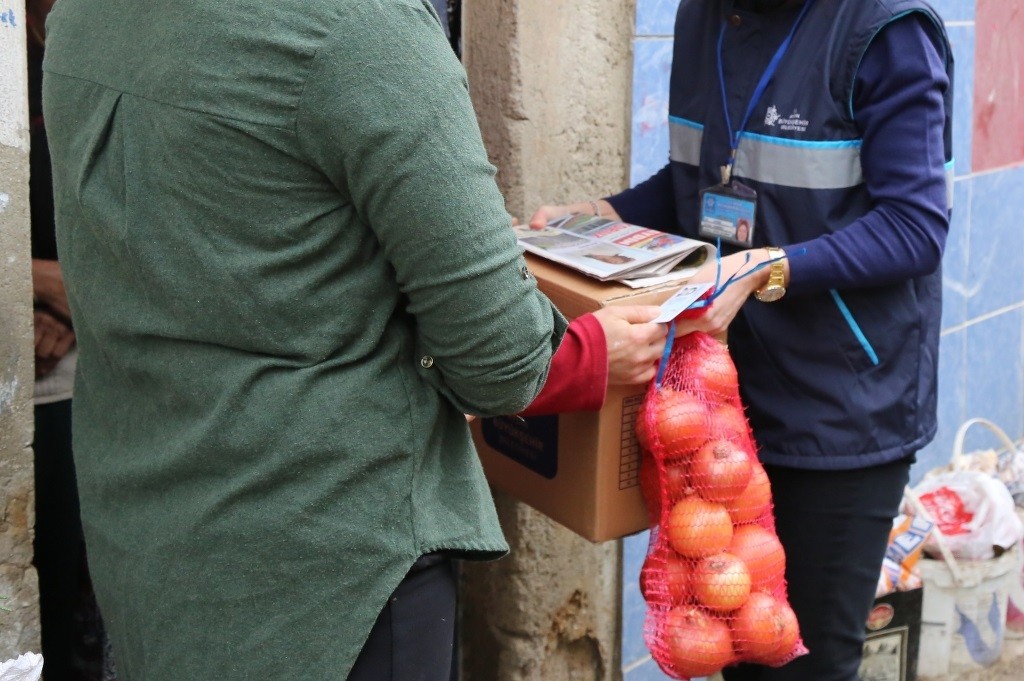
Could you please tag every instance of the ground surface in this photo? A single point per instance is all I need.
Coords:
(1009, 668)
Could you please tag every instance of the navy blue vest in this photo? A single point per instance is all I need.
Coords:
(842, 379)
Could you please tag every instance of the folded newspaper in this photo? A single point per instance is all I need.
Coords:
(611, 250)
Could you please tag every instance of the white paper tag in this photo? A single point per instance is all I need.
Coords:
(681, 300)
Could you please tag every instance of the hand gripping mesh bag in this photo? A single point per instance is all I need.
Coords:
(713, 579)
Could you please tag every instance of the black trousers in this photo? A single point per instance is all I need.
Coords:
(835, 527)
(59, 547)
(414, 635)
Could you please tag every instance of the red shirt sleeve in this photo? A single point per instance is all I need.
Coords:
(578, 379)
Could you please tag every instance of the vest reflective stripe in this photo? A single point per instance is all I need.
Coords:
(774, 160)
(685, 138)
(790, 163)
(800, 164)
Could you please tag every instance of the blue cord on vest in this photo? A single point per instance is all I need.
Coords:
(707, 302)
(762, 84)
(664, 355)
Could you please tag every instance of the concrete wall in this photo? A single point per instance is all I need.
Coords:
(550, 82)
(19, 628)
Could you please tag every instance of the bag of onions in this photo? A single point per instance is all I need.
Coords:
(714, 576)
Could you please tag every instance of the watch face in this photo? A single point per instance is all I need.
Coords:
(770, 294)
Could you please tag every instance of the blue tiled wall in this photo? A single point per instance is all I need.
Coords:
(981, 363)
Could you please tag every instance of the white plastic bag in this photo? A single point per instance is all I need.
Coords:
(27, 667)
(973, 511)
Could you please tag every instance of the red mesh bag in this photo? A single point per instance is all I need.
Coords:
(713, 578)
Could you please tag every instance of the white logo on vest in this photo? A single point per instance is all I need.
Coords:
(794, 122)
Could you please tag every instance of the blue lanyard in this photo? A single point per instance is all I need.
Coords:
(762, 85)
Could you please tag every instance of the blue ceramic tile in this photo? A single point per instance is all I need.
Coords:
(955, 291)
(954, 10)
(633, 649)
(951, 406)
(995, 370)
(962, 40)
(994, 276)
(648, 671)
(655, 17)
(635, 656)
(652, 62)
(979, 438)
(1016, 431)
(634, 609)
(634, 551)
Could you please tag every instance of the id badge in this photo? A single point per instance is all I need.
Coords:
(727, 212)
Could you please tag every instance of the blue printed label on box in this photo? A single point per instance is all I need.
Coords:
(532, 442)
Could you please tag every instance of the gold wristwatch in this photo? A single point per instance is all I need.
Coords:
(776, 286)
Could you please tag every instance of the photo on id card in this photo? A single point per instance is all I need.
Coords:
(727, 213)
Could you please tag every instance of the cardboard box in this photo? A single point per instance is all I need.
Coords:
(581, 469)
(893, 637)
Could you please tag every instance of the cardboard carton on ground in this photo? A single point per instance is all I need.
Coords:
(581, 469)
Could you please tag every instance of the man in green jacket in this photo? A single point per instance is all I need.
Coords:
(291, 273)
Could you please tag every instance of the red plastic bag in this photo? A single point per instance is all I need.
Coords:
(713, 579)
(973, 512)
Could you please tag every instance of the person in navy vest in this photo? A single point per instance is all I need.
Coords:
(826, 125)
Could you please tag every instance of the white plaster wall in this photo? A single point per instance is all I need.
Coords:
(13, 104)
(551, 85)
(19, 628)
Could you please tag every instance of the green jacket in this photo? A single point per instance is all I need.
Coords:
(291, 273)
